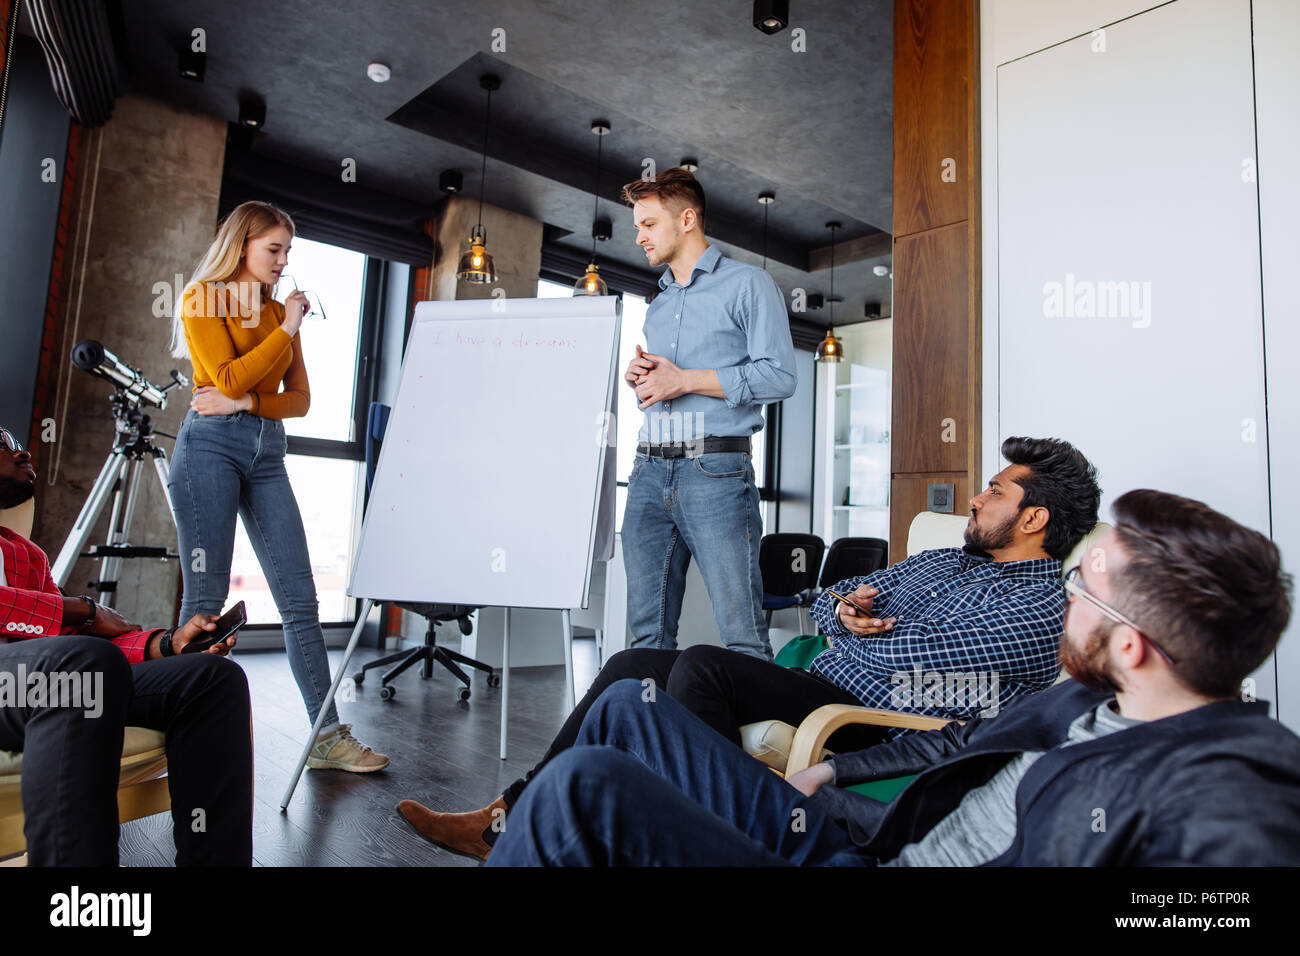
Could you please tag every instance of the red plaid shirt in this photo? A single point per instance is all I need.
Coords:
(31, 605)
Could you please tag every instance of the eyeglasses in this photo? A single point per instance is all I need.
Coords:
(1074, 586)
(10, 442)
(313, 300)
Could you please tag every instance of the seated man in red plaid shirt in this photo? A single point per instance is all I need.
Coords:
(67, 693)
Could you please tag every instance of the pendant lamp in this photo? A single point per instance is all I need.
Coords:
(831, 349)
(477, 265)
(591, 283)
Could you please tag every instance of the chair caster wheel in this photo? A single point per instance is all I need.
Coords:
(359, 677)
(494, 680)
(464, 693)
(387, 693)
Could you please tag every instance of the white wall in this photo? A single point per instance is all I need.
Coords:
(1277, 105)
(1126, 165)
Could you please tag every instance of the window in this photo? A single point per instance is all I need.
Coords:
(329, 345)
(326, 491)
(325, 460)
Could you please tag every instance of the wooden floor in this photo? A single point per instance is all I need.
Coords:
(444, 754)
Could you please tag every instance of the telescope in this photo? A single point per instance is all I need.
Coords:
(119, 478)
(92, 357)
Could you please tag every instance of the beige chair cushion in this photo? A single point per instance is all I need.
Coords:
(19, 519)
(143, 758)
(930, 530)
(770, 742)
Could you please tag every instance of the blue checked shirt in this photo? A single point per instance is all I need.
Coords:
(961, 618)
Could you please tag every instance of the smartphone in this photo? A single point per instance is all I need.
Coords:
(227, 624)
(856, 607)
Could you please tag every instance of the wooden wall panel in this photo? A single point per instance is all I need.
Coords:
(932, 353)
(937, 340)
(935, 116)
(908, 499)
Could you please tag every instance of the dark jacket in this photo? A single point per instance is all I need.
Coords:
(1218, 785)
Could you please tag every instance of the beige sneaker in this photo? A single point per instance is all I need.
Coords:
(339, 750)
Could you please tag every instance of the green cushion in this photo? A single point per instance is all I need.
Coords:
(800, 651)
(882, 790)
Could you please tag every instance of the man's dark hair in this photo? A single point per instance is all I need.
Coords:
(1062, 481)
(1210, 591)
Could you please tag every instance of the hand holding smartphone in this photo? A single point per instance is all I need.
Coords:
(871, 624)
(227, 625)
(857, 608)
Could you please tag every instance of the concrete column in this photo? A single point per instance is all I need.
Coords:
(515, 242)
(146, 210)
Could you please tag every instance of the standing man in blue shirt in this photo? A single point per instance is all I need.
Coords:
(719, 347)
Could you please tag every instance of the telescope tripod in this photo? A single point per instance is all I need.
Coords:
(119, 480)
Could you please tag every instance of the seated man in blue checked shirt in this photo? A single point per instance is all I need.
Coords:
(1156, 753)
(988, 615)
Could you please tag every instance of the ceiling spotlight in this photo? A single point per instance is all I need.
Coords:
(379, 72)
(880, 270)
(602, 228)
(191, 65)
(690, 164)
(451, 181)
(815, 300)
(252, 111)
(771, 16)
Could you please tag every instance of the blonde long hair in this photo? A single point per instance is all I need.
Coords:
(221, 262)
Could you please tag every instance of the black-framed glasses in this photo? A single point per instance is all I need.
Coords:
(1074, 585)
(314, 306)
(10, 441)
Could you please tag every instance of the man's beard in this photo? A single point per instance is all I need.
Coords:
(14, 492)
(995, 538)
(1090, 666)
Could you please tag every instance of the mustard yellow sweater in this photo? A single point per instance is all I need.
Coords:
(239, 360)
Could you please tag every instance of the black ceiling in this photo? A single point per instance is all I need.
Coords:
(674, 80)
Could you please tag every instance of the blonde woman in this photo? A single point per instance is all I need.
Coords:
(229, 457)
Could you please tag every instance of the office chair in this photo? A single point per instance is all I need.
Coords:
(435, 614)
(789, 564)
(853, 557)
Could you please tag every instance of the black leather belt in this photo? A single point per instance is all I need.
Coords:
(693, 449)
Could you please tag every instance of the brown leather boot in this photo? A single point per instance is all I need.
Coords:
(461, 832)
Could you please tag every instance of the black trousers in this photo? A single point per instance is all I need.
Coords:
(71, 755)
(723, 688)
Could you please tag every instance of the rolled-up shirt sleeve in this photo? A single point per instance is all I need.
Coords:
(769, 374)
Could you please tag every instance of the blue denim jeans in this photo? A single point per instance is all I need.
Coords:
(650, 784)
(228, 465)
(706, 508)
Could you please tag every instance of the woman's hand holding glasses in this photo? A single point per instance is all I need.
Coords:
(295, 307)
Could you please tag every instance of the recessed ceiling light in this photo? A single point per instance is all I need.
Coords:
(771, 16)
(252, 111)
(379, 72)
(451, 181)
(192, 64)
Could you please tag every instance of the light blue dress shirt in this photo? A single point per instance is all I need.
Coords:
(729, 317)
